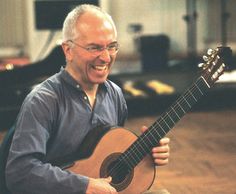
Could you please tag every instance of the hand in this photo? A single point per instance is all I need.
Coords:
(100, 186)
(161, 152)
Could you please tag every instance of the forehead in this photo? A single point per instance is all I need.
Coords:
(96, 27)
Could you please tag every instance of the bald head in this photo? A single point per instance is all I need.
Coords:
(83, 18)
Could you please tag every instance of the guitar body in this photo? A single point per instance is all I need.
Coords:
(109, 147)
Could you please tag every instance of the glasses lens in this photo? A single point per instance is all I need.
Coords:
(113, 48)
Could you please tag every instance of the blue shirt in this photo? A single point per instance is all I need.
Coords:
(53, 121)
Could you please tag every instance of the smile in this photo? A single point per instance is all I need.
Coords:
(100, 68)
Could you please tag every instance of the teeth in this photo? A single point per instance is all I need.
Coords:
(100, 67)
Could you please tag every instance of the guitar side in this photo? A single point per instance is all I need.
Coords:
(114, 142)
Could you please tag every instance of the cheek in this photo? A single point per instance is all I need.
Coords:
(113, 58)
(81, 59)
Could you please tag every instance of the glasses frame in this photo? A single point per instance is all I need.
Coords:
(97, 50)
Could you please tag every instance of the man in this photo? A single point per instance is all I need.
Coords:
(56, 116)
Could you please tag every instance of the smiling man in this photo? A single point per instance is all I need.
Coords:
(57, 115)
(90, 50)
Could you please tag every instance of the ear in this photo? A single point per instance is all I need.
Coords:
(67, 51)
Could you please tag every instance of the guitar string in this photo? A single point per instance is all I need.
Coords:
(118, 166)
(164, 119)
(188, 93)
(177, 104)
(168, 116)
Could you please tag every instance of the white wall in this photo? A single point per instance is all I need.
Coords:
(12, 25)
(157, 16)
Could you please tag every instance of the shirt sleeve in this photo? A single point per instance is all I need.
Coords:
(27, 170)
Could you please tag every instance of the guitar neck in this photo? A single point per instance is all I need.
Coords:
(143, 145)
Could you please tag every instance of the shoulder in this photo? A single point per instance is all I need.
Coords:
(49, 87)
(110, 85)
(115, 91)
(44, 93)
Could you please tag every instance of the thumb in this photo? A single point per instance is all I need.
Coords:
(144, 128)
(108, 179)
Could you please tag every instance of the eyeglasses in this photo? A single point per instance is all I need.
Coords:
(97, 50)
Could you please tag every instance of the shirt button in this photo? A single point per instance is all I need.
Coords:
(85, 97)
(77, 86)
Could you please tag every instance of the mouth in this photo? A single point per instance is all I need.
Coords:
(100, 67)
(98, 73)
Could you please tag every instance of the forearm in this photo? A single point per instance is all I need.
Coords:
(29, 175)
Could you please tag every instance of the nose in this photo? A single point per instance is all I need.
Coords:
(105, 56)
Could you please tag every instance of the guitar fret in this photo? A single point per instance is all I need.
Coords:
(155, 131)
(193, 96)
(134, 161)
(175, 112)
(144, 143)
(145, 149)
(186, 101)
(205, 82)
(160, 128)
(199, 89)
(170, 118)
(166, 123)
(181, 107)
(153, 135)
(137, 156)
(142, 148)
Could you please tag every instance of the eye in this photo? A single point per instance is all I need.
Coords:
(113, 46)
(93, 48)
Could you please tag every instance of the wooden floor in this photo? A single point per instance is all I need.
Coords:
(203, 153)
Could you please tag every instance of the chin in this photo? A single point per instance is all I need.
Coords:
(100, 81)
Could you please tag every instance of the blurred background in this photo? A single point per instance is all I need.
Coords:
(162, 43)
(191, 26)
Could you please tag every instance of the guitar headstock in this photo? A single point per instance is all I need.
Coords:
(213, 66)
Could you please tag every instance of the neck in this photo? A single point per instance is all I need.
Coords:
(91, 91)
(89, 88)
(91, 94)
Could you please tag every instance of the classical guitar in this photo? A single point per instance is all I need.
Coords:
(124, 156)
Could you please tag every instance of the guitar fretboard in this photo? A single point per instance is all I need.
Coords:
(143, 145)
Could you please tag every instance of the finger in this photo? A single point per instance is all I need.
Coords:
(144, 128)
(113, 190)
(164, 141)
(162, 156)
(161, 149)
(108, 179)
(161, 162)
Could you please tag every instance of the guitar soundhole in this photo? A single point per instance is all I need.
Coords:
(120, 173)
